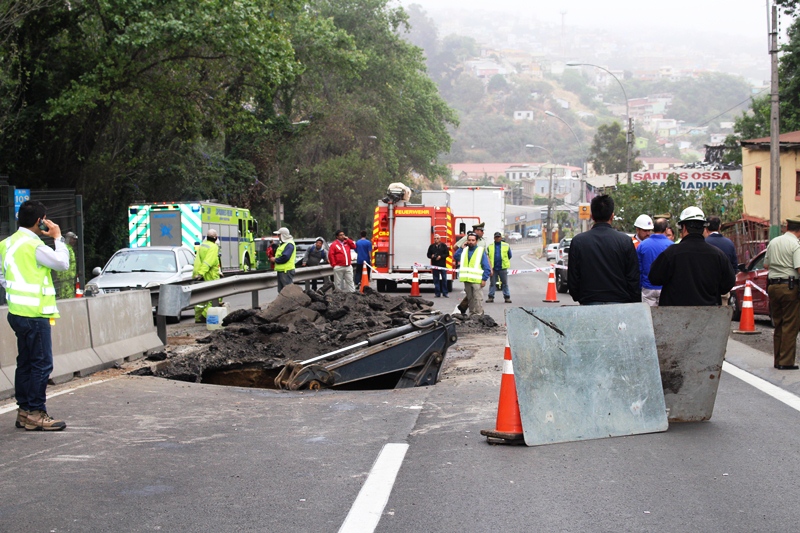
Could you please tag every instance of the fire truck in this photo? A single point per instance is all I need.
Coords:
(401, 234)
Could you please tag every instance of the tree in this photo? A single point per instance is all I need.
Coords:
(497, 83)
(609, 150)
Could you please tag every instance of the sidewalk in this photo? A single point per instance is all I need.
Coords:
(759, 364)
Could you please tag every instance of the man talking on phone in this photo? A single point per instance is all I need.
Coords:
(25, 265)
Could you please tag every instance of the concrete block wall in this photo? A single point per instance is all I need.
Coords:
(92, 334)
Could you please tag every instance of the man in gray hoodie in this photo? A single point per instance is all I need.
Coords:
(315, 255)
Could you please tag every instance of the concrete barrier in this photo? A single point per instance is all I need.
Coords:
(92, 334)
(122, 325)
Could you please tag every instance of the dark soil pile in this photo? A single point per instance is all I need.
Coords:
(297, 326)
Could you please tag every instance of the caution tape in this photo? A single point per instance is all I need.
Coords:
(753, 286)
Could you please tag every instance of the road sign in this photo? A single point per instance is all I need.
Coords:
(583, 212)
(20, 196)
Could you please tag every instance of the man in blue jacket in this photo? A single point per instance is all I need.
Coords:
(363, 252)
(647, 252)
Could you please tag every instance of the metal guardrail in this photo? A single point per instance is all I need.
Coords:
(174, 297)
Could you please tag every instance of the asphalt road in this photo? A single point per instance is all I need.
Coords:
(146, 454)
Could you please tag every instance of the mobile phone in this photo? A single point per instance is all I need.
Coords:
(42, 225)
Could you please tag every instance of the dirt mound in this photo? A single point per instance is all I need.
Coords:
(297, 325)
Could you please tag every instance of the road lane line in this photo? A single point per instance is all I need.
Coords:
(368, 508)
(13, 406)
(763, 385)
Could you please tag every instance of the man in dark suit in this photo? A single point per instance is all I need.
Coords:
(714, 238)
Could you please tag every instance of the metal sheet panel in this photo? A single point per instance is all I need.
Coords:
(586, 372)
(413, 236)
(165, 228)
(691, 344)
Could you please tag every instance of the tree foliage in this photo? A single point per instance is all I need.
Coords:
(609, 151)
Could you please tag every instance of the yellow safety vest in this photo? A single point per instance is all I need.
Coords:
(206, 262)
(471, 270)
(505, 261)
(288, 265)
(29, 285)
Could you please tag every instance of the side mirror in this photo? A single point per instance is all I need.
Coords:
(740, 267)
(187, 268)
(96, 271)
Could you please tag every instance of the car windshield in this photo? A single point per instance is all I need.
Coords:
(142, 260)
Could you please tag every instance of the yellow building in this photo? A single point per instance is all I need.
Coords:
(756, 173)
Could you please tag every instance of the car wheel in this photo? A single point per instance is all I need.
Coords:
(734, 303)
(561, 284)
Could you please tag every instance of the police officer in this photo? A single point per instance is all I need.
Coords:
(499, 261)
(285, 257)
(783, 261)
(206, 268)
(26, 264)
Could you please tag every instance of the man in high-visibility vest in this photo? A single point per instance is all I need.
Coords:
(473, 272)
(206, 268)
(65, 281)
(26, 264)
(285, 258)
(499, 253)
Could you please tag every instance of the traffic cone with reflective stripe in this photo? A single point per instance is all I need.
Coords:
(415, 283)
(364, 278)
(508, 428)
(551, 295)
(747, 322)
(78, 290)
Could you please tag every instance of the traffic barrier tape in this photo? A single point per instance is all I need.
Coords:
(752, 286)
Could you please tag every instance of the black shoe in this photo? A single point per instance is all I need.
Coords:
(787, 367)
(445, 296)
(508, 300)
(490, 300)
(437, 296)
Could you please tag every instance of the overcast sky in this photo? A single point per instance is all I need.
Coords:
(742, 18)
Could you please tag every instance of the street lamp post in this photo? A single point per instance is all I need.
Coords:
(550, 196)
(583, 166)
(628, 128)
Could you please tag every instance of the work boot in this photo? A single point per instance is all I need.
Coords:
(508, 299)
(22, 417)
(41, 421)
(490, 300)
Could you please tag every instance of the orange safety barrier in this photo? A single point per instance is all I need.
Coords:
(508, 427)
(415, 283)
(747, 322)
(551, 295)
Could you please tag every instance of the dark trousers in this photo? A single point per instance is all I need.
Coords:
(440, 282)
(784, 306)
(284, 279)
(34, 361)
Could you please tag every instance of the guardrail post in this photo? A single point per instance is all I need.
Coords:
(255, 299)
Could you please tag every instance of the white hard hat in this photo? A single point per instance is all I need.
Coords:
(643, 222)
(691, 213)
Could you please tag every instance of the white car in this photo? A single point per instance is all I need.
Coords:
(551, 252)
(514, 236)
(535, 233)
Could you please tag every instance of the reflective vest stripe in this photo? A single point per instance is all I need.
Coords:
(49, 310)
(23, 300)
(21, 286)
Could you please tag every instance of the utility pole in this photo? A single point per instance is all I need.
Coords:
(774, 133)
(629, 149)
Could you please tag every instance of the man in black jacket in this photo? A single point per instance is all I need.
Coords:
(692, 272)
(438, 253)
(603, 267)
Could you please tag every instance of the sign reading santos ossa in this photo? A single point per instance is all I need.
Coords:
(691, 178)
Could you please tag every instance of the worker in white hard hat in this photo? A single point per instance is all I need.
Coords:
(643, 227)
(206, 268)
(692, 272)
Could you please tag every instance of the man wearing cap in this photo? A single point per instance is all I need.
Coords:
(285, 258)
(438, 252)
(603, 268)
(206, 268)
(65, 281)
(499, 254)
(643, 226)
(692, 272)
(473, 272)
(647, 252)
(783, 261)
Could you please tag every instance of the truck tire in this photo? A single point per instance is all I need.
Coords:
(381, 285)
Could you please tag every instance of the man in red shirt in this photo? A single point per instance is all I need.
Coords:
(339, 258)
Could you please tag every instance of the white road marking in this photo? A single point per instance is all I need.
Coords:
(765, 386)
(366, 511)
(13, 406)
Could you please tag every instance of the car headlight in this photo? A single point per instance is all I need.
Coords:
(92, 289)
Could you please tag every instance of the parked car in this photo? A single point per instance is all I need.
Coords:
(755, 272)
(514, 236)
(562, 259)
(535, 233)
(551, 252)
(142, 268)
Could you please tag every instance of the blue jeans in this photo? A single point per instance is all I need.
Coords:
(439, 282)
(503, 273)
(34, 361)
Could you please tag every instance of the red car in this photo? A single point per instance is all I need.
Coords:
(755, 272)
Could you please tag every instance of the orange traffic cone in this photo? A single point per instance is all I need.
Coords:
(508, 428)
(78, 290)
(551, 295)
(415, 283)
(747, 322)
(364, 278)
